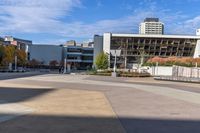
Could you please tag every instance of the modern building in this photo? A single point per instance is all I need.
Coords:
(2, 42)
(135, 46)
(45, 53)
(20, 43)
(151, 26)
(71, 43)
(78, 56)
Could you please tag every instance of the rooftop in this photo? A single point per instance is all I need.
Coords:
(156, 36)
(151, 20)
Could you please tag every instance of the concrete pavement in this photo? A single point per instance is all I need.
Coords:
(6, 76)
(116, 105)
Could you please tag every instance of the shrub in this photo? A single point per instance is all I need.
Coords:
(170, 61)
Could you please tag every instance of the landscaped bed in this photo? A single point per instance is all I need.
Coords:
(119, 73)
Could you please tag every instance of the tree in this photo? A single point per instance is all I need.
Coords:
(21, 57)
(9, 54)
(34, 63)
(53, 63)
(2, 52)
(102, 61)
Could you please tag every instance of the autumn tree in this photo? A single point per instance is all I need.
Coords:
(9, 54)
(53, 63)
(21, 57)
(34, 63)
(2, 52)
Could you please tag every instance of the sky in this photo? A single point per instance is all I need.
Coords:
(57, 21)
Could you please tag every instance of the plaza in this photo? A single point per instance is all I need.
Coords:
(92, 104)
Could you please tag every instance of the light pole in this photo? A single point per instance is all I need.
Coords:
(115, 53)
(15, 63)
(141, 58)
(65, 65)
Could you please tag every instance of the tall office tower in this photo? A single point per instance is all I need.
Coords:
(151, 26)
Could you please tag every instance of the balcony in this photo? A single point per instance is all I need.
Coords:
(74, 53)
(87, 61)
(85, 54)
(74, 60)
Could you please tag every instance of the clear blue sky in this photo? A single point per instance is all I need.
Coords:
(56, 21)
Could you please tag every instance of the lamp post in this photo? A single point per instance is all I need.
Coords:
(65, 65)
(142, 58)
(115, 53)
(15, 63)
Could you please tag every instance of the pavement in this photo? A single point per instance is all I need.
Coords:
(13, 75)
(97, 104)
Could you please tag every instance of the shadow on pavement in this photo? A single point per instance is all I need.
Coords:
(6, 76)
(76, 124)
(143, 125)
(13, 95)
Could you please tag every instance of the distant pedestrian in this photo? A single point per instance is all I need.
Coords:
(59, 69)
(62, 70)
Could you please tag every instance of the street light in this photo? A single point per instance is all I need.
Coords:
(15, 63)
(65, 66)
(115, 53)
(142, 54)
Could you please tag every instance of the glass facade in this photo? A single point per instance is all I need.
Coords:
(80, 58)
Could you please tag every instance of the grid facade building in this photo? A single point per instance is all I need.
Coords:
(133, 46)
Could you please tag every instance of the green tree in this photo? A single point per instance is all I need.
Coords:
(102, 61)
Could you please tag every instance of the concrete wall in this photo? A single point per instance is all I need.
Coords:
(106, 42)
(106, 45)
(98, 46)
(160, 71)
(197, 50)
(45, 53)
(198, 32)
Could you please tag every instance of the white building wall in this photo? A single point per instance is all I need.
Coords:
(106, 42)
(197, 50)
(142, 28)
(198, 32)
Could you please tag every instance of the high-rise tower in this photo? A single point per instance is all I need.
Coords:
(151, 26)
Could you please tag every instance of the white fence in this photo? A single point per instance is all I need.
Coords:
(175, 71)
(189, 72)
(160, 71)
